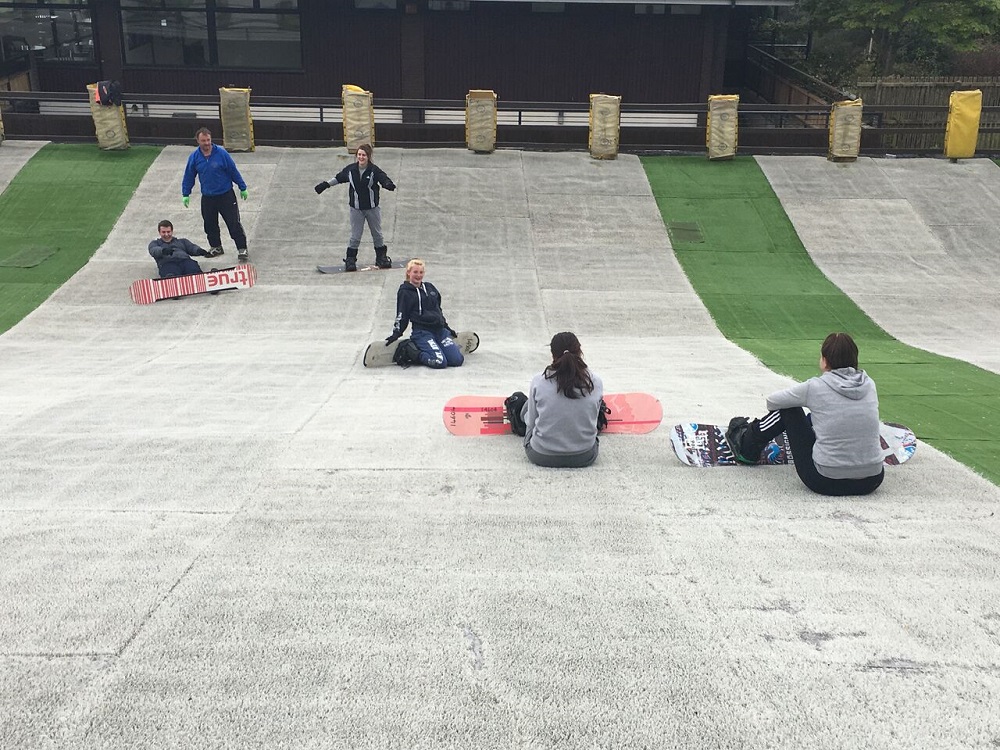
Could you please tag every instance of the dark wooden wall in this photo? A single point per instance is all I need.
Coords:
(414, 53)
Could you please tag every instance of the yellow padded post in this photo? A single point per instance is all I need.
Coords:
(359, 117)
(109, 122)
(845, 130)
(962, 131)
(481, 121)
(237, 122)
(605, 125)
(721, 130)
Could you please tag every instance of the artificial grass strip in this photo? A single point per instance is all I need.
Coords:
(57, 211)
(766, 295)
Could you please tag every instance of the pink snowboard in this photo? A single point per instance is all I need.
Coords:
(484, 415)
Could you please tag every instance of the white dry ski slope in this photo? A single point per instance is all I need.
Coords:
(217, 529)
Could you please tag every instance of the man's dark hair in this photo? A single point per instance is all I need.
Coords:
(201, 130)
(839, 350)
(164, 223)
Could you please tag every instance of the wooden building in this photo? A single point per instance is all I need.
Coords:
(673, 52)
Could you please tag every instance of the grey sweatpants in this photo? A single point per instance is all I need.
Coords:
(358, 218)
(563, 461)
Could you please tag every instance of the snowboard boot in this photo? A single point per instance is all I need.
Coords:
(351, 261)
(214, 252)
(381, 259)
(242, 255)
(745, 440)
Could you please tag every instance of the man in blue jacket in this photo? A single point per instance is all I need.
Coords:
(217, 171)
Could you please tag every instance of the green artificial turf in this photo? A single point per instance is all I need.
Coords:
(55, 213)
(745, 260)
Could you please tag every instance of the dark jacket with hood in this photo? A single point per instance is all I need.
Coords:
(419, 306)
(363, 187)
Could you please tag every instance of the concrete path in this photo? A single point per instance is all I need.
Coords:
(217, 529)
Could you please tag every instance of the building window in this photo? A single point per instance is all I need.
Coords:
(261, 34)
(58, 31)
(447, 4)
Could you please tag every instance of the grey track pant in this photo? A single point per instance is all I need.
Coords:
(358, 218)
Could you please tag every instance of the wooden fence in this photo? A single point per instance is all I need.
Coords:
(928, 126)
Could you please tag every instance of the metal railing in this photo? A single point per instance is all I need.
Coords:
(315, 121)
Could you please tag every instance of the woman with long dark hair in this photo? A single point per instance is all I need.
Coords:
(561, 409)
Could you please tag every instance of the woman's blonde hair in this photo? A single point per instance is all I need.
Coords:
(414, 262)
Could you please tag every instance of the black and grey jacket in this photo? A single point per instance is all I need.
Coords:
(363, 187)
(419, 305)
(178, 249)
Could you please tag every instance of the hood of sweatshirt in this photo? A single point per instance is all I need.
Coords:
(848, 382)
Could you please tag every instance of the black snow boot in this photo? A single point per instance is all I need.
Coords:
(381, 259)
(745, 440)
(351, 261)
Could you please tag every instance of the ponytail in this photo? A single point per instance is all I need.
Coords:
(568, 369)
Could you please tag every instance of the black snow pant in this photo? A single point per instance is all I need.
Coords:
(794, 423)
(213, 206)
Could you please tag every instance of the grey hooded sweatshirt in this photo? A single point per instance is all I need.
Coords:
(844, 406)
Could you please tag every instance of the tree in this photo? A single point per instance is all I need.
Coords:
(957, 24)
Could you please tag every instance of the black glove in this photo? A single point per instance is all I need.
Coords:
(390, 188)
(166, 253)
(321, 187)
(392, 337)
(453, 332)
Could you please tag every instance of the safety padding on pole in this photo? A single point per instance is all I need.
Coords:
(237, 122)
(721, 130)
(845, 130)
(359, 117)
(481, 121)
(605, 125)
(109, 122)
(962, 132)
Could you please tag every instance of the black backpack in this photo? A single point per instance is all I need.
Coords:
(512, 406)
(406, 353)
(602, 416)
(109, 93)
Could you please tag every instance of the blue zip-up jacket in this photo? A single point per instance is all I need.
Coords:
(419, 305)
(363, 187)
(217, 172)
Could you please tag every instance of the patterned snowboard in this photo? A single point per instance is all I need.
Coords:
(705, 445)
(372, 267)
(379, 355)
(148, 291)
(484, 415)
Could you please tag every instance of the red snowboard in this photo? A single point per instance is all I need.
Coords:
(147, 291)
(484, 415)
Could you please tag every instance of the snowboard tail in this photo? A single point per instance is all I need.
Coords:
(148, 291)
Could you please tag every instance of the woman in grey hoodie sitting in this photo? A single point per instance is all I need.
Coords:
(838, 452)
(558, 417)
